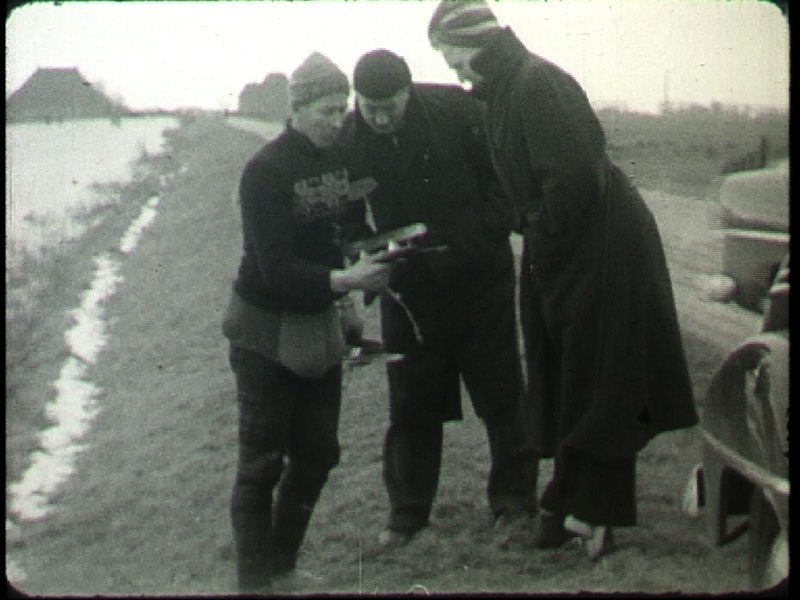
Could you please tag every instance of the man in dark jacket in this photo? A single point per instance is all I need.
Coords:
(447, 314)
(606, 365)
(286, 341)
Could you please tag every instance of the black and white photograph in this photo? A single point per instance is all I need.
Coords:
(247, 241)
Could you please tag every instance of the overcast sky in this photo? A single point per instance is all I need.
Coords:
(624, 52)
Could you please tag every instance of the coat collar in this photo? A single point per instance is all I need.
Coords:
(498, 61)
(301, 140)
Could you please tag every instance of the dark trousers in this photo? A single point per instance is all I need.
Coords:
(598, 492)
(424, 391)
(287, 439)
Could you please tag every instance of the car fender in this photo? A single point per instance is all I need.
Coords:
(744, 427)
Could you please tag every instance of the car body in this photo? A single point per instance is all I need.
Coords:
(754, 218)
(745, 445)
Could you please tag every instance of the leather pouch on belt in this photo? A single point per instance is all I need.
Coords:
(306, 344)
(310, 344)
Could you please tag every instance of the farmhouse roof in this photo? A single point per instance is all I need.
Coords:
(58, 93)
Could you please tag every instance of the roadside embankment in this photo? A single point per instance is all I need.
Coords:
(146, 510)
(165, 349)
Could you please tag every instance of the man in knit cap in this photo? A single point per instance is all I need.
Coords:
(286, 342)
(450, 314)
(606, 365)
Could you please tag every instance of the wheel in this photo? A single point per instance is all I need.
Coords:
(769, 546)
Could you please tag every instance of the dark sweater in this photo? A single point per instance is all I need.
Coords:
(290, 193)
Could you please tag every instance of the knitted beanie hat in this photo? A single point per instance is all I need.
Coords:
(464, 23)
(316, 78)
(380, 74)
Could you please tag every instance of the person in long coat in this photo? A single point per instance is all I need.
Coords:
(450, 314)
(606, 365)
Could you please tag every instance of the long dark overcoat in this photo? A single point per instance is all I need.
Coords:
(607, 369)
(437, 170)
(439, 174)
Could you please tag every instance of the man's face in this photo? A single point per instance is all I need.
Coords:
(321, 119)
(386, 115)
(458, 59)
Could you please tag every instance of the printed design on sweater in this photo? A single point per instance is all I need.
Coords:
(320, 196)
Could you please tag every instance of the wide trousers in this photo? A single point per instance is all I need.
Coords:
(468, 333)
(596, 491)
(424, 392)
(287, 440)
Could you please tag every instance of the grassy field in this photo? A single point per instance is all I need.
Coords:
(681, 152)
(147, 510)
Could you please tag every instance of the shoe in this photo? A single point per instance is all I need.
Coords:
(390, 538)
(552, 533)
(512, 528)
(578, 527)
(599, 543)
(598, 540)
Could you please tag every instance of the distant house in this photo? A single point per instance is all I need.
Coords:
(268, 100)
(56, 94)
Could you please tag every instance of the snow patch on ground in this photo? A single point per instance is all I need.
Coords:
(88, 336)
(131, 238)
(75, 404)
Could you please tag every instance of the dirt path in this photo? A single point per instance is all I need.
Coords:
(147, 510)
